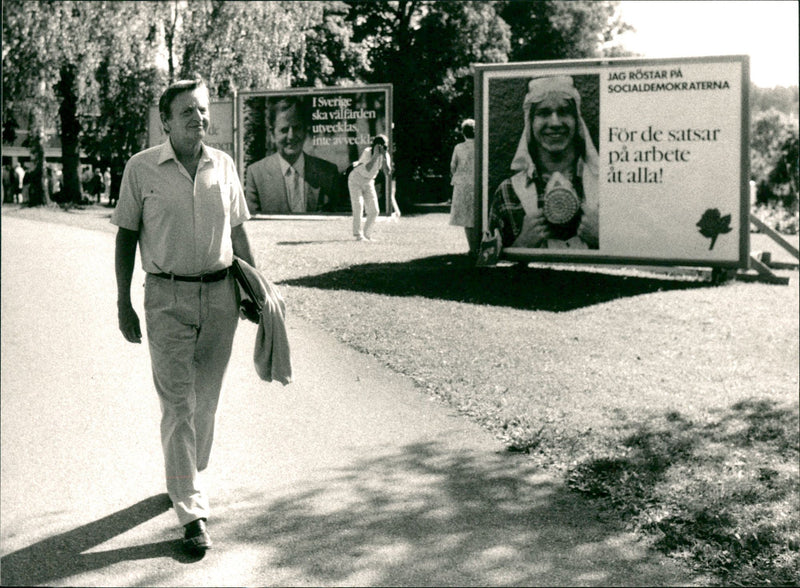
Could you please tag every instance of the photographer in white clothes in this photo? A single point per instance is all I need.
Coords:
(361, 184)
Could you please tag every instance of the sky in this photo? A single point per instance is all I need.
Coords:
(767, 31)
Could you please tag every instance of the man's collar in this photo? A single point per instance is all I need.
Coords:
(298, 165)
(168, 152)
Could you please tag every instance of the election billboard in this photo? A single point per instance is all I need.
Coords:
(296, 146)
(640, 161)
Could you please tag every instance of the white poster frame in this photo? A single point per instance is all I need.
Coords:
(732, 115)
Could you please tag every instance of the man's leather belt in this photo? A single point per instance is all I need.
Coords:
(212, 277)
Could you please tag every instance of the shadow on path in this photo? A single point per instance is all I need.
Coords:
(453, 277)
(426, 515)
(59, 557)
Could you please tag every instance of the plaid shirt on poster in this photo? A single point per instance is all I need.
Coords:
(506, 213)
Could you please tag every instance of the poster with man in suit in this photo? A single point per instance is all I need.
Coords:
(289, 180)
(296, 145)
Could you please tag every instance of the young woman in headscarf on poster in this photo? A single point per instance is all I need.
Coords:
(552, 200)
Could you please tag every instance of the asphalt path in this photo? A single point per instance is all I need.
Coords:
(348, 476)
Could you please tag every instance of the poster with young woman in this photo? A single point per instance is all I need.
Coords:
(617, 161)
(295, 146)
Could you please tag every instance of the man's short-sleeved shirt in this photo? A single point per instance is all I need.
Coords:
(184, 226)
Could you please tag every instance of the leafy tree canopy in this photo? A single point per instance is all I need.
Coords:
(247, 45)
(780, 98)
(101, 84)
(550, 29)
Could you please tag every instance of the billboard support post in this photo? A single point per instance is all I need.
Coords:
(775, 236)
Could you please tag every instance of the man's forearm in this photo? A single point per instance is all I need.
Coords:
(124, 261)
(241, 244)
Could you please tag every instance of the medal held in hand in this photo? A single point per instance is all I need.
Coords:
(561, 201)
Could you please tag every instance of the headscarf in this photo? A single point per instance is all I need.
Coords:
(538, 90)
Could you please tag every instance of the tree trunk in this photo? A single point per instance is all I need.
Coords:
(70, 133)
(169, 38)
(37, 188)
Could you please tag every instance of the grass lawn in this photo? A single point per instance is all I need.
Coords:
(672, 402)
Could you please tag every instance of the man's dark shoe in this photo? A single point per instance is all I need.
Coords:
(196, 538)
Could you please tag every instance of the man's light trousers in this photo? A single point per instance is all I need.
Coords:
(190, 329)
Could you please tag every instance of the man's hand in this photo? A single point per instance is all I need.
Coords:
(129, 322)
(535, 231)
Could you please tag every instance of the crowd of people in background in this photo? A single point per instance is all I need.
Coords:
(14, 183)
(95, 183)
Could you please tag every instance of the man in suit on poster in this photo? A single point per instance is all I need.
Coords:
(289, 180)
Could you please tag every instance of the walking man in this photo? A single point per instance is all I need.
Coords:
(183, 204)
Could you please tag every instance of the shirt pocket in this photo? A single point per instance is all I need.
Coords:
(158, 203)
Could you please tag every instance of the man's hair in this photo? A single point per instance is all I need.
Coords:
(172, 92)
(287, 103)
(468, 128)
(382, 140)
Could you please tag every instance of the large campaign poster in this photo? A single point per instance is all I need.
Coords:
(618, 160)
(297, 146)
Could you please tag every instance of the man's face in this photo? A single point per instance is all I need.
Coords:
(289, 134)
(189, 117)
(553, 124)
